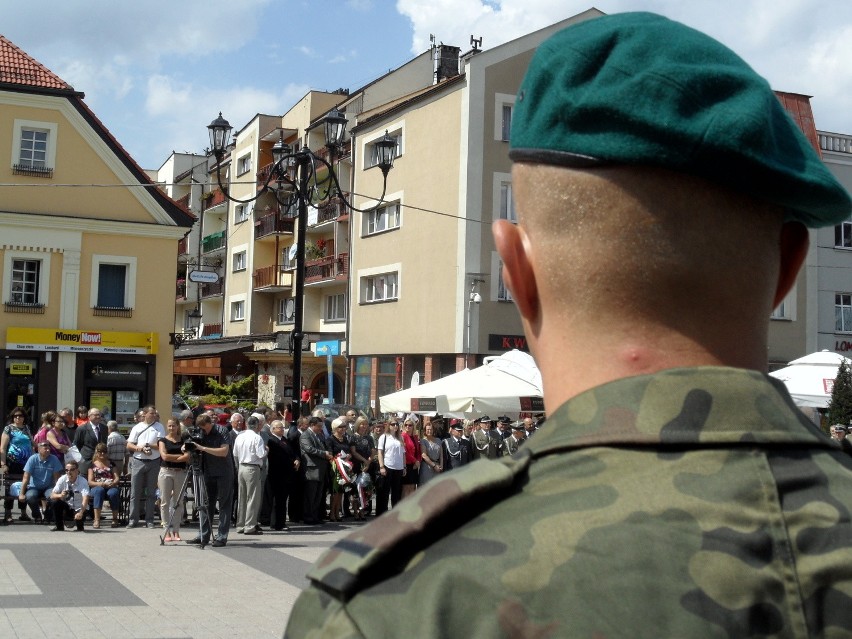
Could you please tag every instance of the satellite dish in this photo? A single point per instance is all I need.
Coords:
(292, 253)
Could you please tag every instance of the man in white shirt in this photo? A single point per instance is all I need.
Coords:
(144, 465)
(71, 493)
(249, 453)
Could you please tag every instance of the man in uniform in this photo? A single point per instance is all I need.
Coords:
(514, 441)
(662, 196)
(485, 442)
(456, 448)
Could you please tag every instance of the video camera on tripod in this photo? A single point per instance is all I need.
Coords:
(194, 438)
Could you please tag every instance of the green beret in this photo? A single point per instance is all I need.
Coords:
(638, 88)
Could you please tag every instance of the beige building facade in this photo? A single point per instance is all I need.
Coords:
(87, 245)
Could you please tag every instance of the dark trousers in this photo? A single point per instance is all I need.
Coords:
(276, 494)
(313, 501)
(296, 507)
(391, 486)
(60, 510)
(219, 489)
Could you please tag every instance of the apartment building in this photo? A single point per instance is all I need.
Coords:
(86, 315)
(426, 291)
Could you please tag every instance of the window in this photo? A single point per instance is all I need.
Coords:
(242, 212)
(378, 288)
(34, 148)
(287, 310)
(335, 307)
(386, 378)
(507, 204)
(843, 312)
(843, 235)
(239, 261)
(382, 218)
(504, 104)
(238, 311)
(288, 258)
(503, 293)
(506, 123)
(786, 310)
(244, 164)
(371, 152)
(113, 281)
(112, 286)
(25, 281)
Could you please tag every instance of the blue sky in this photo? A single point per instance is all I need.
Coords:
(157, 72)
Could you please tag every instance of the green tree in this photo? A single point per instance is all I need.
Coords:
(237, 393)
(840, 404)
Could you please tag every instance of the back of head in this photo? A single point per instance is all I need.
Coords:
(653, 182)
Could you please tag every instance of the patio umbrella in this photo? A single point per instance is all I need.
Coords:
(809, 379)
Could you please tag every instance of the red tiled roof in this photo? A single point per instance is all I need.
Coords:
(798, 107)
(16, 67)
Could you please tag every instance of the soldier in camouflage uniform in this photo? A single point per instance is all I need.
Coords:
(675, 490)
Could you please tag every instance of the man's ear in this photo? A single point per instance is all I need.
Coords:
(794, 246)
(518, 274)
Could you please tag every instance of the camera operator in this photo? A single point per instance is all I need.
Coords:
(71, 494)
(212, 442)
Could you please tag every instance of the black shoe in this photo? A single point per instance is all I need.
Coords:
(195, 541)
(218, 543)
(258, 528)
(24, 517)
(252, 532)
(56, 529)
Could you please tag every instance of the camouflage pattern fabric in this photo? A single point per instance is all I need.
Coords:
(691, 503)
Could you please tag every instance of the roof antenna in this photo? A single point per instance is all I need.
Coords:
(475, 43)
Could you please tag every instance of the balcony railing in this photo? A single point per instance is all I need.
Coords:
(213, 242)
(836, 142)
(272, 277)
(331, 267)
(273, 224)
(214, 200)
(209, 290)
(211, 330)
(332, 210)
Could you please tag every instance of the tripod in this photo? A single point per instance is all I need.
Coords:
(199, 491)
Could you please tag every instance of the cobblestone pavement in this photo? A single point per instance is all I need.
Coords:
(125, 583)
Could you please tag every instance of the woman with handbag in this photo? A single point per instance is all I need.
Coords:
(16, 446)
(391, 468)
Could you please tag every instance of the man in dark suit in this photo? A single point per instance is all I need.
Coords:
(283, 466)
(456, 448)
(88, 436)
(316, 459)
(296, 492)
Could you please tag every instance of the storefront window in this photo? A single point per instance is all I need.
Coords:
(363, 367)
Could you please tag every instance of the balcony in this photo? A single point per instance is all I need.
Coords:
(180, 294)
(333, 209)
(212, 290)
(212, 201)
(213, 242)
(836, 142)
(211, 330)
(341, 153)
(272, 279)
(273, 224)
(327, 270)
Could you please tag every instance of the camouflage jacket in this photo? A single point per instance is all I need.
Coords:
(691, 503)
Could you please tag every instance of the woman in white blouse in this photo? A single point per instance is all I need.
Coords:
(391, 450)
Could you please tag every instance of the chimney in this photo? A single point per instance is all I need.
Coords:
(447, 64)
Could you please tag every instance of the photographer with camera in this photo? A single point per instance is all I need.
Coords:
(71, 494)
(212, 442)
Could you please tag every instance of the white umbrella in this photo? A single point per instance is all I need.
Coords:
(508, 384)
(809, 379)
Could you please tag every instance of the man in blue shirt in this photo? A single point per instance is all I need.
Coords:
(40, 474)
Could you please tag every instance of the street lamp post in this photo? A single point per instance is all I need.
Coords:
(176, 339)
(295, 176)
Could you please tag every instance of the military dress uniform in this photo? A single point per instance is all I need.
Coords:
(486, 444)
(709, 476)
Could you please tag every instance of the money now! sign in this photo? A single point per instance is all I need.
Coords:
(73, 341)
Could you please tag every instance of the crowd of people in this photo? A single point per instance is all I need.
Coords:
(255, 467)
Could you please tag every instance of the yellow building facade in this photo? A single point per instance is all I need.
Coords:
(87, 254)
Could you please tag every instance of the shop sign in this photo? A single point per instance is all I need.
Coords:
(73, 341)
(507, 342)
(20, 369)
(328, 347)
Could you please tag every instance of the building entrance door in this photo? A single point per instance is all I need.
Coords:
(22, 388)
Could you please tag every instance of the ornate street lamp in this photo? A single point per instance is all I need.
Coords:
(194, 321)
(293, 180)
